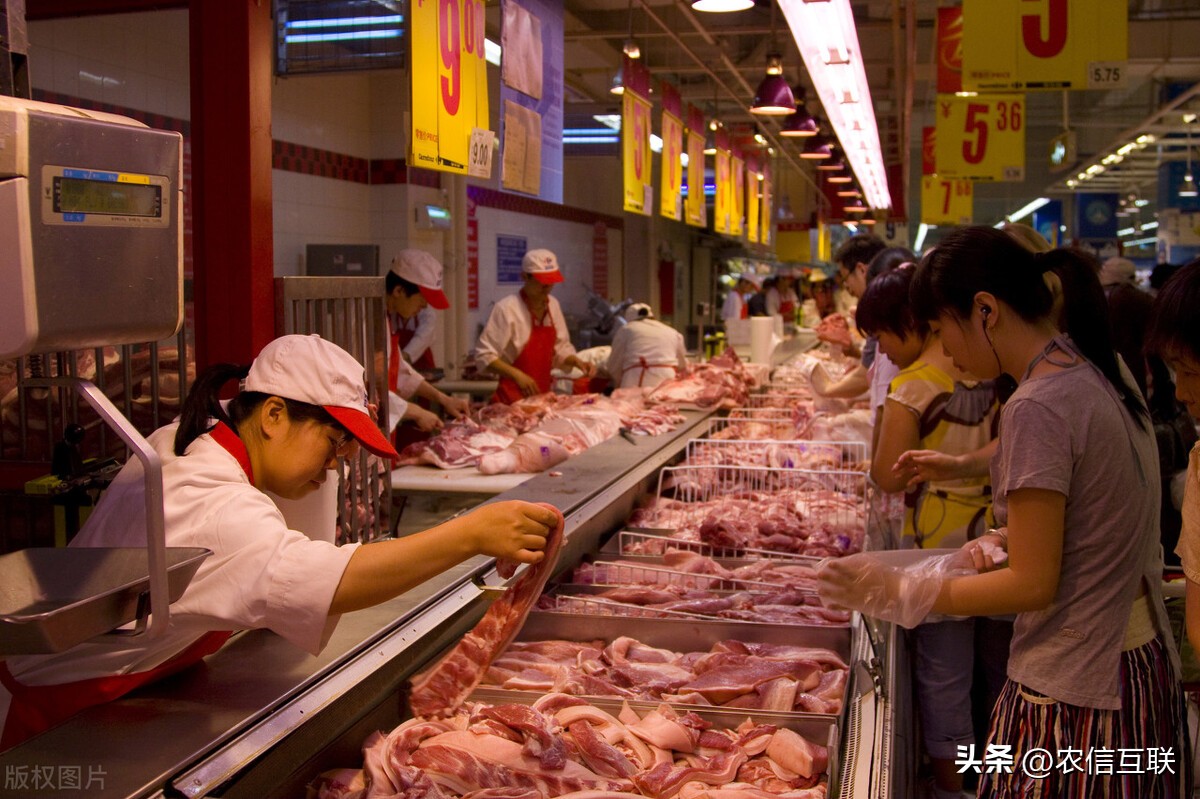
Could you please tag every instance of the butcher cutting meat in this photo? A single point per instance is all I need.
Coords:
(301, 409)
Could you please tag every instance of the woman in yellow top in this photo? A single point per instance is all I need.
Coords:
(932, 405)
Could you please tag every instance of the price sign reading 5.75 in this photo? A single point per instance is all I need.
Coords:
(981, 138)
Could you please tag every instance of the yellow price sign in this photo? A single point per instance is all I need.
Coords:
(449, 82)
(671, 201)
(752, 184)
(1028, 45)
(737, 175)
(724, 196)
(635, 148)
(982, 137)
(946, 202)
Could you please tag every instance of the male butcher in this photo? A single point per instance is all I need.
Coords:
(526, 334)
(645, 352)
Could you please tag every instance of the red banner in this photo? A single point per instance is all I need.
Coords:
(929, 150)
(949, 49)
(472, 256)
(600, 259)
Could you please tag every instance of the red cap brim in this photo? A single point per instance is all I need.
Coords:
(436, 297)
(548, 278)
(364, 429)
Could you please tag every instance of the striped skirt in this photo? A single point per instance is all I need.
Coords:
(1060, 751)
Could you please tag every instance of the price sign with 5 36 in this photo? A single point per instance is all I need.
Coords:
(981, 138)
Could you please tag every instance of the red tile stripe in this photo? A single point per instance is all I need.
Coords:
(306, 160)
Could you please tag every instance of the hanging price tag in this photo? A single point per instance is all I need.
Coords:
(1107, 75)
(981, 138)
(479, 162)
(946, 202)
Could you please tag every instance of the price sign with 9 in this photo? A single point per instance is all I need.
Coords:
(981, 138)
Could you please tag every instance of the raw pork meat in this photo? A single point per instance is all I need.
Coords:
(442, 688)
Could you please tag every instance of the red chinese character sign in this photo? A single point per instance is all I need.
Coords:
(949, 50)
(449, 82)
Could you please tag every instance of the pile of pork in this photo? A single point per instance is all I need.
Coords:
(723, 382)
(732, 674)
(562, 746)
(539, 432)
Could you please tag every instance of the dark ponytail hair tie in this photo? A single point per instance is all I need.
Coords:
(1042, 262)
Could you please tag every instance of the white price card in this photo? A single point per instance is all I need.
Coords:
(1107, 75)
(479, 164)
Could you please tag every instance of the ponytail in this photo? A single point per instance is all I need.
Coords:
(1085, 319)
(202, 403)
(974, 259)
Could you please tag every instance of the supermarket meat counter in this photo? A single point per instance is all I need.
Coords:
(261, 719)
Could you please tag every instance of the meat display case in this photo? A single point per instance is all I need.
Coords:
(261, 719)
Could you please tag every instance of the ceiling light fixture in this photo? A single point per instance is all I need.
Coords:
(1189, 181)
(817, 148)
(1026, 210)
(832, 164)
(828, 41)
(722, 6)
(773, 96)
(618, 81)
(801, 122)
(631, 48)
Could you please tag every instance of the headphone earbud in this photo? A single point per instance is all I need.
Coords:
(986, 310)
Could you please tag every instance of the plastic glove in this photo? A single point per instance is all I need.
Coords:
(901, 596)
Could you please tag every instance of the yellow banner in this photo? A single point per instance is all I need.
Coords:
(981, 138)
(1023, 45)
(724, 196)
(737, 174)
(946, 202)
(752, 184)
(766, 206)
(449, 82)
(671, 204)
(635, 149)
(694, 208)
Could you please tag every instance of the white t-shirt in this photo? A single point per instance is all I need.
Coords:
(261, 573)
(659, 345)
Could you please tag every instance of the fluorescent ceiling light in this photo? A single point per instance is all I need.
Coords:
(1026, 210)
(921, 233)
(349, 36)
(821, 29)
(491, 52)
(346, 22)
(1141, 242)
(612, 121)
(722, 6)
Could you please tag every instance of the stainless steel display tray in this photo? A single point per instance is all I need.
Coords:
(818, 729)
(53, 599)
(679, 636)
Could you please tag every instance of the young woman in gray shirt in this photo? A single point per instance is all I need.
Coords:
(1093, 671)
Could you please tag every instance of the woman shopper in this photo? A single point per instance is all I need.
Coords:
(301, 407)
(1093, 667)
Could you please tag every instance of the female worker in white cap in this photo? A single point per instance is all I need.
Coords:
(645, 352)
(302, 405)
(414, 289)
(526, 334)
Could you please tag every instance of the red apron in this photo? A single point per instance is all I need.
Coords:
(745, 314)
(402, 332)
(37, 708)
(535, 360)
(646, 367)
(787, 309)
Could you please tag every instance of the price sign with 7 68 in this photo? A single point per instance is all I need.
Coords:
(982, 137)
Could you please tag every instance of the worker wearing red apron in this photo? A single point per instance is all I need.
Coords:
(645, 352)
(782, 298)
(302, 407)
(526, 335)
(735, 306)
(414, 288)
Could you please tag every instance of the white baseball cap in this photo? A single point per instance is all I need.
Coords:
(639, 310)
(418, 266)
(313, 370)
(542, 265)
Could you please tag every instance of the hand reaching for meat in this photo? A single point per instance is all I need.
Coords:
(527, 384)
(426, 422)
(512, 530)
(902, 596)
(835, 330)
(456, 406)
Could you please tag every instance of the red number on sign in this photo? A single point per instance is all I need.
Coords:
(473, 28)
(973, 152)
(1055, 39)
(1014, 116)
(946, 200)
(448, 33)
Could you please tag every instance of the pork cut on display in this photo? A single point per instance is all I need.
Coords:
(562, 746)
(439, 690)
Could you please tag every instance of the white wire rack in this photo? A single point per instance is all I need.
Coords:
(777, 399)
(777, 453)
(619, 574)
(777, 427)
(598, 606)
(640, 542)
(708, 482)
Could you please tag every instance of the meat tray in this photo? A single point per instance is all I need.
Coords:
(52, 599)
(678, 635)
(823, 730)
(627, 543)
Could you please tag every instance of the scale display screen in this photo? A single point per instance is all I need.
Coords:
(82, 196)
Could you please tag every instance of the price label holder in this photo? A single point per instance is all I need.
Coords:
(1107, 75)
(479, 163)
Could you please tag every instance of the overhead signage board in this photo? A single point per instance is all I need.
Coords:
(449, 82)
(1019, 45)
(981, 138)
(695, 212)
(737, 205)
(949, 49)
(635, 139)
(671, 190)
(752, 183)
(945, 201)
(723, 199)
